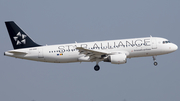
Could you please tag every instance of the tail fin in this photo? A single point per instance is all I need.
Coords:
(18, 37)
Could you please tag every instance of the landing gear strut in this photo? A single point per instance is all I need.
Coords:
(154, 59)
(96, 67)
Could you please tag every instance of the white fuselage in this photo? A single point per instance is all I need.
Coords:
(65, 53)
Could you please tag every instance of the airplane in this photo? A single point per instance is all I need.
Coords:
(113, 51)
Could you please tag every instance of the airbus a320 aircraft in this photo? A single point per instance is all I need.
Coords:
(113, 51)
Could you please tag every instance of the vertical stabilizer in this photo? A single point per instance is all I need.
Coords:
(18, 37)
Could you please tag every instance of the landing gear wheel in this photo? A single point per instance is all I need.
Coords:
(96, 68)
(155, 63)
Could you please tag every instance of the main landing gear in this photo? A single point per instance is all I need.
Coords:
(96, 67)
(154, 59)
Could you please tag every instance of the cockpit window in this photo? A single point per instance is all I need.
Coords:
(165, 42)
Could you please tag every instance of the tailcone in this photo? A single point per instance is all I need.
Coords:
(8, 54)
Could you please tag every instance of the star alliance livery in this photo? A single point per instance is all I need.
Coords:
(113, 51)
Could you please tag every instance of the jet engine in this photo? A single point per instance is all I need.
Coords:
(116, 59)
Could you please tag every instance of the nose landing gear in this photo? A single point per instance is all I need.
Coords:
(155, 63)
(154, 59)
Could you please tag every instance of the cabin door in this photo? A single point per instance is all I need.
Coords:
(40, 53)
(153, 43)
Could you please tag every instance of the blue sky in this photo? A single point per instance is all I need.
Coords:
(59, 22)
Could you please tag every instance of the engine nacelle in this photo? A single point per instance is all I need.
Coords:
(117, 59)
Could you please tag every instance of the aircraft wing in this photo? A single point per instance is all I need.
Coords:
(93, 54)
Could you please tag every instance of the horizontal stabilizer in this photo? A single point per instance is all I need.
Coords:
(17, 52)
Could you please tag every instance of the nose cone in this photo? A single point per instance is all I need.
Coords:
(174, 47)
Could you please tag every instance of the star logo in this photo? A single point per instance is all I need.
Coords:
(20, 38)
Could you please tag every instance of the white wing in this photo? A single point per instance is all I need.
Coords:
(93, 54)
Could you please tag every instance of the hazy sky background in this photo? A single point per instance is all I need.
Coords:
(56, 21)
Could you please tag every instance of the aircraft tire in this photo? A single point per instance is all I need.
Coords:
(155, 63)
(96, 68)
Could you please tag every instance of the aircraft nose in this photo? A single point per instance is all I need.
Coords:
(174, 47)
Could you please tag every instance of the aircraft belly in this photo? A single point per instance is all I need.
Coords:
(61, 58)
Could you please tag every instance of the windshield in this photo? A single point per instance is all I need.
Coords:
(165, 42)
